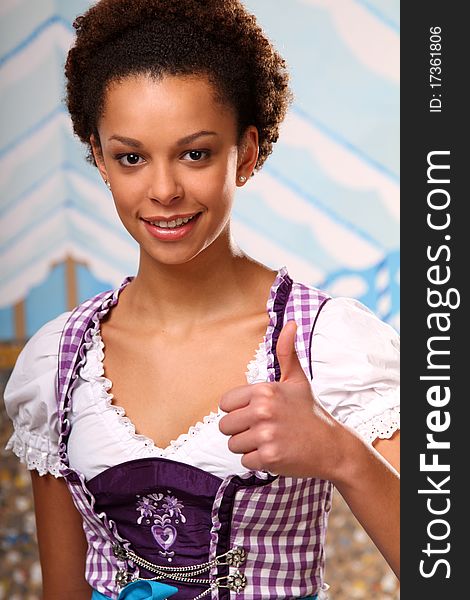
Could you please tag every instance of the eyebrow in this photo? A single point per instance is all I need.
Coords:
(181, 142)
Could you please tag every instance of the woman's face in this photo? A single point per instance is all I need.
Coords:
(169, 151)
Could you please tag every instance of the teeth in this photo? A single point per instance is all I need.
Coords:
(172, 224)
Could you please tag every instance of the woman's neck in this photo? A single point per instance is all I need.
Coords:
(215, 285)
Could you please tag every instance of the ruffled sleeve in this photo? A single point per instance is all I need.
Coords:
(30, 400)
(356, 368)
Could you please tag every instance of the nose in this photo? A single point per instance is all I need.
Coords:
(164, 186)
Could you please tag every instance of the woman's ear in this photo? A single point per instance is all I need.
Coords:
(248, 154)
(98, 156)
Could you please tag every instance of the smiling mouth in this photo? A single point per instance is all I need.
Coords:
(174, 223)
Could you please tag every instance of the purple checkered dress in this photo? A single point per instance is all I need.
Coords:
(280, 522)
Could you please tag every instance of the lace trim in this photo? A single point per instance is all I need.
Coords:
(381, 426)
(93, 371)
(41, 461)
(257, 368)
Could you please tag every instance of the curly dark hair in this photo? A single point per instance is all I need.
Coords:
(215, 38)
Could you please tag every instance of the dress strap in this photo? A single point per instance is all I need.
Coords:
(292, 301)
(77, 330)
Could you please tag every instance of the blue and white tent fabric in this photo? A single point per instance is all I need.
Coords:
(326, 203)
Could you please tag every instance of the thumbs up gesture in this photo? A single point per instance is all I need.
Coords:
(280, 426)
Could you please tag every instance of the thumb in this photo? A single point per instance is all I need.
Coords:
(289, 363)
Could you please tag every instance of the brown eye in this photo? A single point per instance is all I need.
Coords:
(129, 160)
(197, 155)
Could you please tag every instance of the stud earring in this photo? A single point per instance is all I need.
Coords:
(242, 179)
(107, 183)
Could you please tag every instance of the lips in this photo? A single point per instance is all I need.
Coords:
(171, 228)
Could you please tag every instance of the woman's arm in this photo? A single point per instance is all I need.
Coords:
(62, 543)
(282, 428)
(370, 484)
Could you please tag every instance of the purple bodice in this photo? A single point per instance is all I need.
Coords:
(163, 513)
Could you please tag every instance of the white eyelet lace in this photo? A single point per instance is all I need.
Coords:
(25, 445)
(381, 426)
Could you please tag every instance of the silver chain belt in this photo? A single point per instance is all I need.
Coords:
(235, 582)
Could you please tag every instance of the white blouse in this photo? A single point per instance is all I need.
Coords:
(355, 362)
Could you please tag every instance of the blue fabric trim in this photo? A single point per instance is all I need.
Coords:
(158, 591)
(141, 590)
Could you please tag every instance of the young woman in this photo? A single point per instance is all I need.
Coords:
(179, 103)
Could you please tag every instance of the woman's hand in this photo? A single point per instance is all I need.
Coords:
(280, 426)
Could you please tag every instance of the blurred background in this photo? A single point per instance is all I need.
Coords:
(326, 205)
